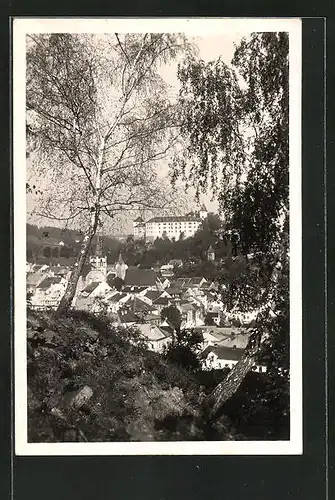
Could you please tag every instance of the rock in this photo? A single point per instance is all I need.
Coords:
(33, 323)
(81, 397)
(32, 402)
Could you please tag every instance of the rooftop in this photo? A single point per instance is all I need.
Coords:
(176, 218)
(140, 277)
(47, 282)
(229, 353)
(91, 287)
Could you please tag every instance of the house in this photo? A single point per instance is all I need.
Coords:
(96, 289)
(48, 293)
(191, 315)
(59, 270)
(152, 295)
(115, 301)
(92, 296)
(225, 337)
(219, 357)
(157, 338)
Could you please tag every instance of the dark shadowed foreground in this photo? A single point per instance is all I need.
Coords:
(88, 381)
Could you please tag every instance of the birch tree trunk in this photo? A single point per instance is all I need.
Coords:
(70, 291)
(229, 386)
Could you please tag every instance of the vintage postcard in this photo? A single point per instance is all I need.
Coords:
(157, 229)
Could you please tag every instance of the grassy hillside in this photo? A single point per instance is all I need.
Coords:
(133, 394)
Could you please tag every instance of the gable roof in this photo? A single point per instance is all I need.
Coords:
(153, 333)
(138, 305)
(196, 280)
(136, 276)
(34, 278)
(139, 219)
(91, 287)
(231, 353)
(127, 317)
(47, 282)
(162, 301)
(176, 218)
(167, 330)
(116, 297)
(153, 294)
(59, 269)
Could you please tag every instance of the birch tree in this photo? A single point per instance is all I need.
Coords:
(98, 122)
(235, 131)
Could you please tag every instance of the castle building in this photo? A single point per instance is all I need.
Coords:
(170, 227)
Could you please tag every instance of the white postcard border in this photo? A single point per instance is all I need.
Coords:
(195, 27)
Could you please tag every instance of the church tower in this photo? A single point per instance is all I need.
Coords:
(121, 268)
(98, 261)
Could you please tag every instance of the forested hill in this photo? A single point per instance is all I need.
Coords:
(42, 242)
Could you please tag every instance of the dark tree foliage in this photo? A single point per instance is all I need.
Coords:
(235, 127)
(173, 316)
(183, 351)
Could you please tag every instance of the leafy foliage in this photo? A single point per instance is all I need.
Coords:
(173, 316)
(235, 130)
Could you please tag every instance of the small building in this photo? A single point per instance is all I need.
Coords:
(156, 338)
(210, 253)
(92, 296)
(216, 358)
(48, 293)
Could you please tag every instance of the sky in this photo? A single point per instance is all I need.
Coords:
(209, 48)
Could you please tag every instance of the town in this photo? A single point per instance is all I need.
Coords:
(137, 297)
(157, 299)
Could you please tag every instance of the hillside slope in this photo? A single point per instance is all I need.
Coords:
(88, 381)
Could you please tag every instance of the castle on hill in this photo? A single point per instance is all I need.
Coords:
(171, 227)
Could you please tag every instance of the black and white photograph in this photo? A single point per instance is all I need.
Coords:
(157, 236)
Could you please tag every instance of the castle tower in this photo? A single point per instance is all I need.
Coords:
(203, 212)
(98, 261)
(210, 253)
(139, 228)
